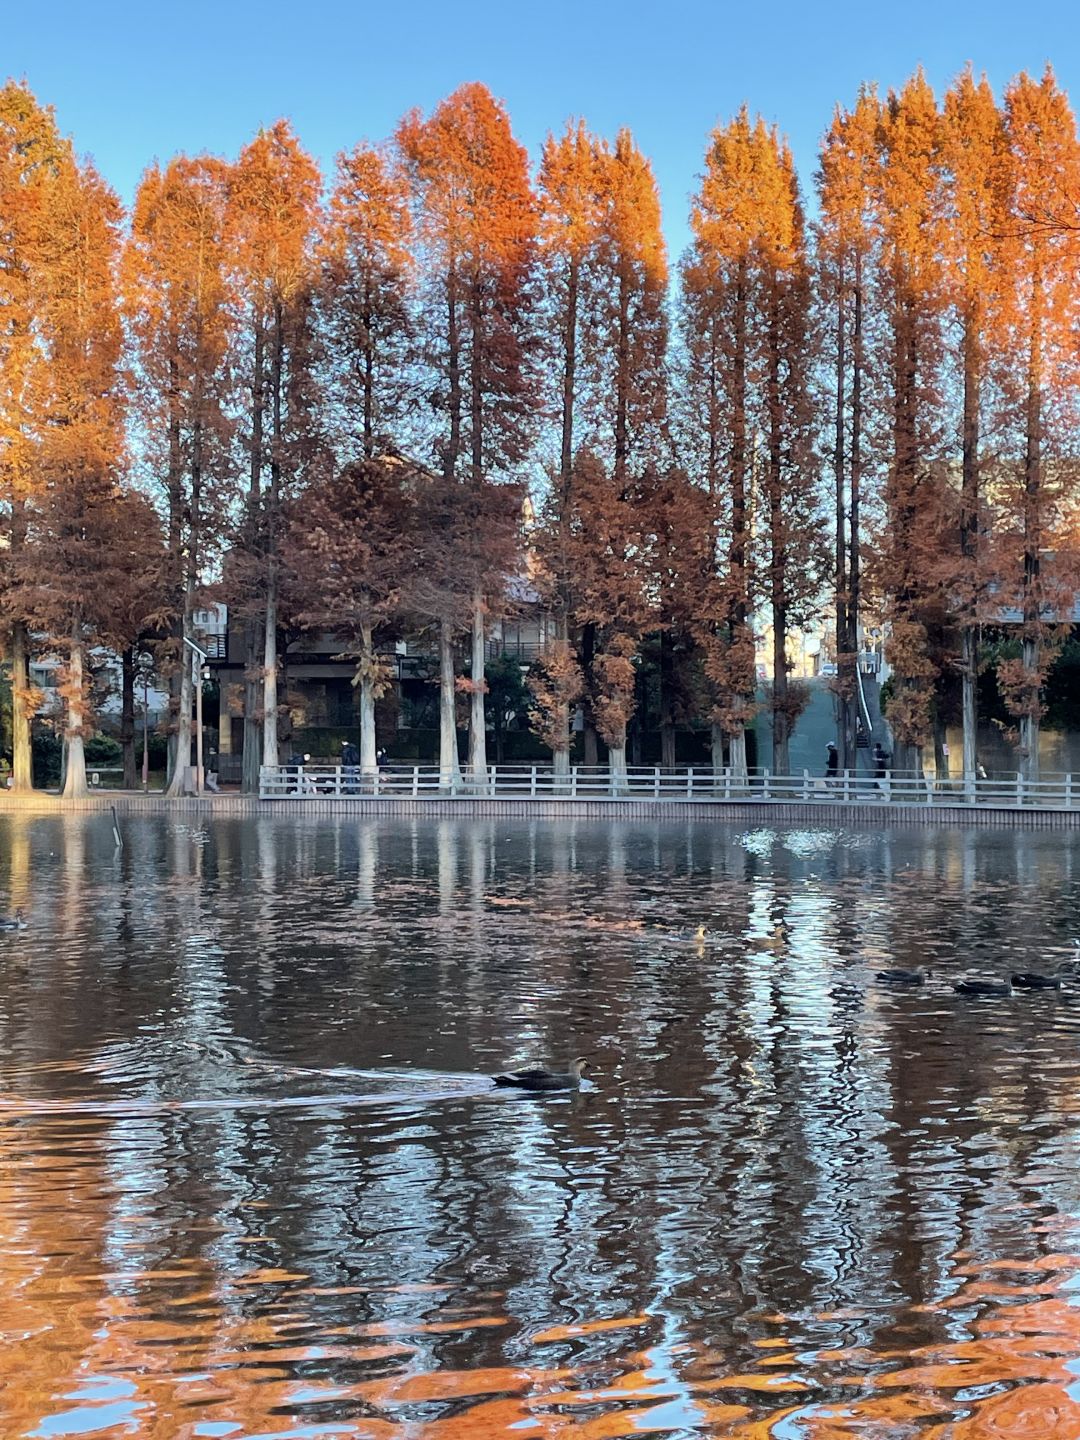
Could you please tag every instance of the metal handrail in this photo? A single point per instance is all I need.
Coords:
(686, 783)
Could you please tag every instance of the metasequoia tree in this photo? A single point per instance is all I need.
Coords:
(273, 216)
(624, 389)
(1040, 307)
(977, 179)
(683, 587)
(729, 220)
(142, 606)
(847, 182)
(179, 306)
(32, 154)
(349, 554)
(795, 564)
(365, 297)
(610, 549)
(570, 232)
(476, 226)
(68, 570)
(911, 293)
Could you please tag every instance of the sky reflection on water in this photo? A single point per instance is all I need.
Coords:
(254, 1179)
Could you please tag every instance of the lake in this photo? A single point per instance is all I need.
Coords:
(255, 1179)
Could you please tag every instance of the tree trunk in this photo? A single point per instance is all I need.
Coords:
(667, 720)
(22, 766)
(617, 765)
(737, 753)
(270, 674)
(270, 660)
(969, 543)
(180, 782)
(251, 759)
(739, 538)
(970, 717)
(560, 755)
(781, 758)
(477, 718)
(845, 699)
(854, 592)
(1032, 650)
(560, 770)
(368, 748)
(127, 717)
(590, 748)
(449, 772)
(75, 776)
(716, 746)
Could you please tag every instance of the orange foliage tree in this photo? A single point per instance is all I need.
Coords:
(1039, 307)
(367, 272)
(747, 331)
(179, 303)
(476, 224)
(847, 182)
(911, 297)
(32, 155)
(978, 175)
(68, 570)
(273, 216)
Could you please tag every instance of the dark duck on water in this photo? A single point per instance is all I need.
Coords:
(544, 1079)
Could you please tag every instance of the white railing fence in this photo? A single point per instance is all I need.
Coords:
(644, 782)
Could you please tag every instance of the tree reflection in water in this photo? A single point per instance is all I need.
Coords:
(254, 1181)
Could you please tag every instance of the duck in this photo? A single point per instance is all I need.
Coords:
(1035, 980)
(978, 986)
(690, 937)
(899, 976)
(544, 1079)
(14, 922)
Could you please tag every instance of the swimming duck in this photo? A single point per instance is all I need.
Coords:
(690, 937)
(900, 976)
(14, 922)
(983, 987)
(544, 1079)
(1035, 980)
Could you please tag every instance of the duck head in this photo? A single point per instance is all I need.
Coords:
(579, 1066)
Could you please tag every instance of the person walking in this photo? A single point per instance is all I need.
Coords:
(350, 765)
(832, 761)
(881, 761)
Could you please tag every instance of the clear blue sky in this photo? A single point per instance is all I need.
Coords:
(134, 81)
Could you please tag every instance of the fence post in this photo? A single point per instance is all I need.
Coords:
(847, 785)
(415, 780)
(1068, 791)
(573, 782)
(337, 781)
(929, 789)
(806, 784)
(765, 791)
(887, 786)
(532, 781)
(656, 782)
(690, 783)
(1019, 788)
(727, 782)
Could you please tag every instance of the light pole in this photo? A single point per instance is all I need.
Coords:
(198, 662)
(145, 728)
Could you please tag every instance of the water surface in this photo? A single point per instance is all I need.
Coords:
(255, 1181)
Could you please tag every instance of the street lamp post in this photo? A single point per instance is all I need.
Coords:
(145, 728)
(198, 661)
